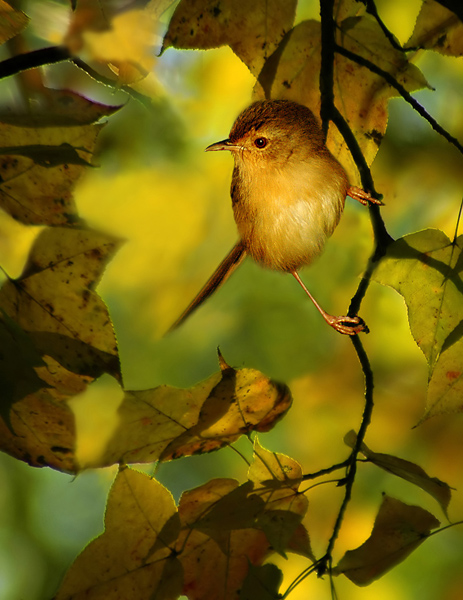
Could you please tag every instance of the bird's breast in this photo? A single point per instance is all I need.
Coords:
(285, 215)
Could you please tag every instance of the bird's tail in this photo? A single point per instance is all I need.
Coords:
(233, 259)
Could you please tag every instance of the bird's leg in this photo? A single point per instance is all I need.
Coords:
(362, 196)
(345, 325)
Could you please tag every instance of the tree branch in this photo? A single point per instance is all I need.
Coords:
(391, 80)
(324, 563)
(328, 44)
(32, 60)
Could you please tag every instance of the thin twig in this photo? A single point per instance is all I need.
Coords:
(325, 561)
(391, 80)
(373, 11)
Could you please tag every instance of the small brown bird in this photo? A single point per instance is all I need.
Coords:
(288, 193)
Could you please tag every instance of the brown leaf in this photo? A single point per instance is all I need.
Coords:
(215, 567)
(406, 470)
(12, 21)
(252, 30)
(133, 557)
(166, 423)
(59, 108)
(398, 530)
(228, 528)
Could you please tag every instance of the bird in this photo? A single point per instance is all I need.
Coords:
(288, 194)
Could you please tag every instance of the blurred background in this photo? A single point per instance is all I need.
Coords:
(155, 188)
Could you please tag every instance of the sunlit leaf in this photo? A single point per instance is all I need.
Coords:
(166, 423)
(398, 530)
(133, 557)
(426, 269)
(122, 37)
(293, 72)
(55, 303)
(252, 30)
(406, 470)
(438, 29)
(12, 21)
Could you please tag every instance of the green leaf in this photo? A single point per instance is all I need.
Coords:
(426, 269)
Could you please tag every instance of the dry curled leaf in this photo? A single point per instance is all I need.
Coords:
(398, 530)
(406, 470)
(166, 422)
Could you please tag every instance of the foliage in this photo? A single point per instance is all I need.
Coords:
(57, 336)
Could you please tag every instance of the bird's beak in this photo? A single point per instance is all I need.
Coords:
(223, 145)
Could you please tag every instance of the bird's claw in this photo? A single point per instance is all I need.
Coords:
(362, 196)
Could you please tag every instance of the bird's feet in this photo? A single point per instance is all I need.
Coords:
(347, 325)
(362, 196)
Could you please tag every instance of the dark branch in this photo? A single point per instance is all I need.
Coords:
(328, 44)
(32, 60)
(373, 11)
(391, 80)
(324, 563)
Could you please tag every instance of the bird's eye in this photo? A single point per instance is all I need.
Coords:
(260, 142)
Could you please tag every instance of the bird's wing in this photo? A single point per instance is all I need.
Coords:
(233, 260)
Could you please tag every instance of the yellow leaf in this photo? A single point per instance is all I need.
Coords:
(133, 558)
(252, 30)
(38, 169)
(166, 423)
(360, 95)
(123, 39)
(62, 329)
(438, 29)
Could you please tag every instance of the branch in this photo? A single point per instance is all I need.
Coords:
(391, 80)
(324, 563)
(32, 60)
(328, 44)
(373, 11)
